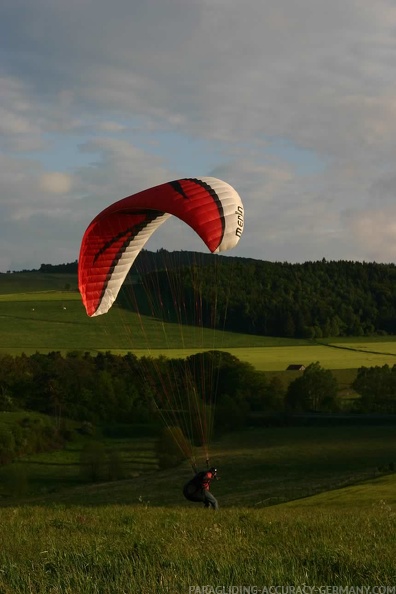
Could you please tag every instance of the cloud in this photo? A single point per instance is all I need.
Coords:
(375, 233)
(56, 183)
(293, 103)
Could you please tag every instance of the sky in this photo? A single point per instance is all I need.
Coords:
(292, 102)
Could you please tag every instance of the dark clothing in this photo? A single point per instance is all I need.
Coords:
(197, 489)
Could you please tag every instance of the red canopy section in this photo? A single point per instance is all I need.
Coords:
(115, 236)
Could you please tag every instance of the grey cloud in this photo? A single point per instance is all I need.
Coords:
(237, 74)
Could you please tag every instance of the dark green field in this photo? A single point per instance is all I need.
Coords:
(258, 467)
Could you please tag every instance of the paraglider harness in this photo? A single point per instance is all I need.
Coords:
(195, 489)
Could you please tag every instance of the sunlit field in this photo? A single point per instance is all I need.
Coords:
(278, 358)
(45, 321)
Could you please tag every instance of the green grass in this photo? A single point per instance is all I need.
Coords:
(29, 282)
(38, 297)
(378, 494)
(57, 321)
(48, 321)
(38, 314)
(120, 549)
(298, 505)
(139, 535)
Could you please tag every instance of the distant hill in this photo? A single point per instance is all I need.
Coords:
(147, 261)
(70, 268)
(32, 281)
(309, 300)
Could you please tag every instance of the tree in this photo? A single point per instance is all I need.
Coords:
(377, 388)
(230, 414)
(315, 391)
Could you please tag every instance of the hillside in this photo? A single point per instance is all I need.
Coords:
(258, 468)
(309, 300)
(138, 535)
(298, 505)
(34, 281)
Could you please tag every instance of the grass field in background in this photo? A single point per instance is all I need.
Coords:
(33, 281)
(57, 321)
(45, 321)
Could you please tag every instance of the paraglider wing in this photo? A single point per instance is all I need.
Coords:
(115, 237)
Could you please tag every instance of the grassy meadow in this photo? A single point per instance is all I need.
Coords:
(56, 320)
(307, 505)
(124, 549)
(297, 506)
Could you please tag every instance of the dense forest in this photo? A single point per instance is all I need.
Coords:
(109, 388)
(125, 389)
(309, 300)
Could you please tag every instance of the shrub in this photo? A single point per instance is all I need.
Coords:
(6, 401)
(87, 428)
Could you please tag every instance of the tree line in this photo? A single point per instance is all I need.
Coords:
(109, 388)
(309, 300)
